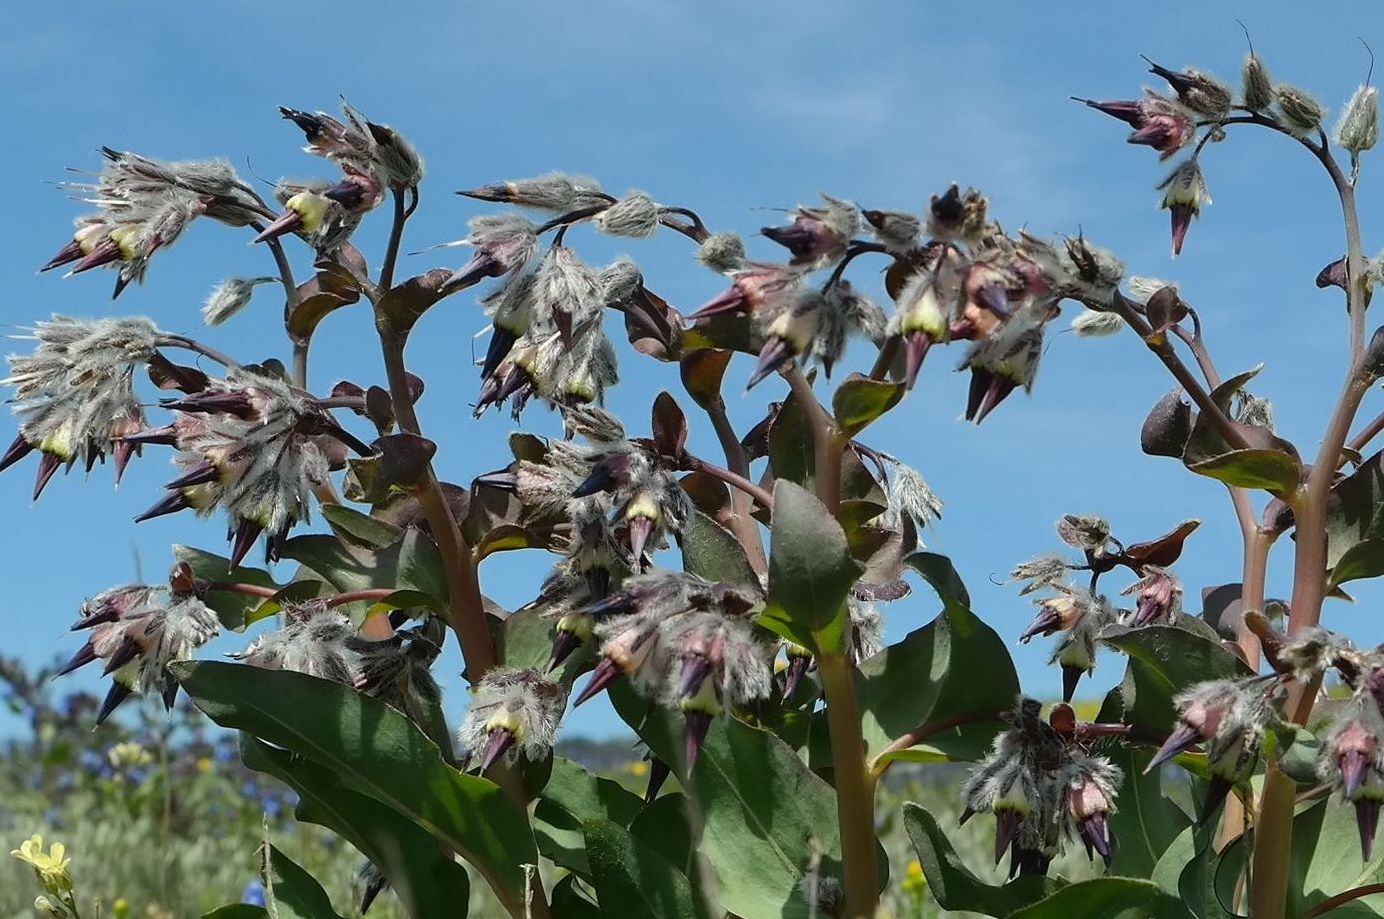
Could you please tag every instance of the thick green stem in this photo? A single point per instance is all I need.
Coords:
(855, 791)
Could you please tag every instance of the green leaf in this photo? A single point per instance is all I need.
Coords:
(412, 563)
(939, 571)
(810, 570)
(1363, 560)
(237, 911)
(292, 892)
(1295, 748)
(375, 751)
(570, 901)
(662, 826)
(930, 675)
(1145, 823)
(572, 797)
(859, 401)
(353, 526)
(710, 551)
(1272, 470)
(1355, 509)
(626, 872)
(954, 885)
(230, 606)
(1109, 898)
(426, 881)
(701, 371)
(507, 537)
(790, 445)
(1163, 661)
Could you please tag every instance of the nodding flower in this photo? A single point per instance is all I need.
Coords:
(1200, 92)
(1076, 653)
(790, 334)
(556, 192)
(898, 231)
(923, 319)
(758, 288)
(716, 661)
(1005, 361)
(360, 147)
(818, 235)
(75, 393)
(503, 243)
(1158, 597)
(144, 205)
(1059, 613)
(1184, 192)
(1158, 122)
(1351, 760)
(955, 216)
(513, 713)
(256, 454)
(138, 630)
(1091, 787)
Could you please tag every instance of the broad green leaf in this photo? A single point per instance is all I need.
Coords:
(710, 551)
(230, 606)
(525, 640)
(426, 881)
(662, 826)
(1355, 509)
(931, 675)
(939, 572)
(412, 563)
(362, 529)
(572, 797)
(954, 885)
(1145, 823)
(626, 872)
(1296, 749)
(1107, 897)
(293, 893)
(1163, 661)
(1363, 560)
(1272, 470)
(571, 901)
(859, 401)
(237, 911)
(701, 372)
(810, 570)
(790, 445)
(377, 752)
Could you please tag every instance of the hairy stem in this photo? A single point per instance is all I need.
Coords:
(855, 791)
(192, 344)
(300, 345)
(735, 480)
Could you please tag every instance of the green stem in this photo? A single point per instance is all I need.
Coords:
(855, 790)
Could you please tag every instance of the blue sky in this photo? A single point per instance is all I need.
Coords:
(732, 109)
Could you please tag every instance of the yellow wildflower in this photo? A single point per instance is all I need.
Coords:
(50, 866)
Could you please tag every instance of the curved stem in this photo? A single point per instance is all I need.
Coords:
(365, 593)
(300, 345)
(396, 236)
(1341, 899)
(239, 587)
(923, 731)
(192, 344)
(857, 248)
(733, 479)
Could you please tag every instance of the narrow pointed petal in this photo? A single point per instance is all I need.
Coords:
(119, 692)
(966, 814)
(125, 652)
(17, 451)
(1367, 819)
(103, 254)
(602, 478)
(1216, 792)
(123, 451)
(68, 253)
(170, 504)
(606, 672)
(1070, 677)
(245, 535)
(48, 465)
(496, 746)
(165, 436)
(108, 614)
(1182, 737)
(481, 266)
(122, 281)
(1000, 388)
(490, 389)
(1096, 832)
(915, 348)
(598, 582)
(1043, 624)
(231, 403)
(501, 341)
(640, 529)
(1006, 828)
(500, 481)
(775, 353)
(793, 675)
(285, 223)
(198, 476)
(84, 656)
(728, 301)
(170, 693)
(563, 646)
(1353, 765)
(658, 774)
(980, 382)
(93, 455)
(512, 383)
(1127, 112)
(695, 670)
(1181, 220)
(696, 725)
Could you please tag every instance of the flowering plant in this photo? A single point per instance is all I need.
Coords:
(755, 676)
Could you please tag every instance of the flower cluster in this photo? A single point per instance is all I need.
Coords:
(137, 630)
(1080, 613)
(1043, 791)
(144, 205)
(75, 393)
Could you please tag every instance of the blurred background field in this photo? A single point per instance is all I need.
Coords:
(161, 820)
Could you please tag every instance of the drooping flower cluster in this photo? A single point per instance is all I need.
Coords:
(514, 712)
(1080, 613)
(373, 158)
(75, 393)
(144, 205)
(138, 630)
(1043, 791)
(250, 444)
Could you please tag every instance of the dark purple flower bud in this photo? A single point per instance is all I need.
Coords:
(1158, 597)
(1198, 91)
(1055, 614)
(818, 234)
(1202, 709)
(658, 774)
(1158, 122)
